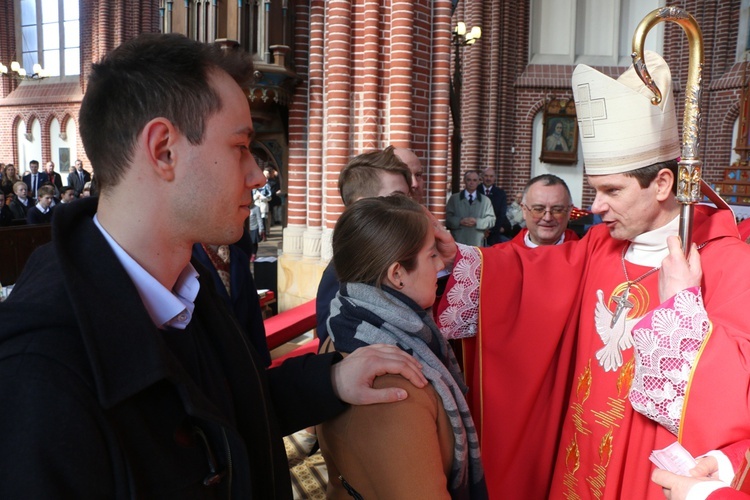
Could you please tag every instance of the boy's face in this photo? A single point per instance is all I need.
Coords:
(21, 192)
(68, 196)
(46, 200)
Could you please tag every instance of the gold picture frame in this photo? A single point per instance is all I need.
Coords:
(560, 138)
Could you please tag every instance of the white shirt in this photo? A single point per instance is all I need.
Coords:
(650, 248)
(527, 240)
(167, 308)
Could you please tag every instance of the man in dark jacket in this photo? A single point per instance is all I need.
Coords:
(123, 374)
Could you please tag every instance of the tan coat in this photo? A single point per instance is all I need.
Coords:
(394, 451)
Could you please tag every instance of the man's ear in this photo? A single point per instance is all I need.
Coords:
(664, 181)
(394, 276)
(159, 137)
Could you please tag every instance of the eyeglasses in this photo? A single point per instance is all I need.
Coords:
(557, 211)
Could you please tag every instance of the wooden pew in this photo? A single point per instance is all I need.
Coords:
(16, 245)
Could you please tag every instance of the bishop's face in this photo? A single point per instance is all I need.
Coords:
(626, 208)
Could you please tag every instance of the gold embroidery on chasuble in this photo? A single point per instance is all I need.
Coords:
(572, 463)
(614, 320)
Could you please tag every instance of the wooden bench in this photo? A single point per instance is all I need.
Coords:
(287, 326)
(16, 245)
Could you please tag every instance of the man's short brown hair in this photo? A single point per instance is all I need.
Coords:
(151, 76)
(360, 178)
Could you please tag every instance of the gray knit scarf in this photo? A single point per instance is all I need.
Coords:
(363, 314)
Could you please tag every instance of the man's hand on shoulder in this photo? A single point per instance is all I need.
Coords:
(353, 377)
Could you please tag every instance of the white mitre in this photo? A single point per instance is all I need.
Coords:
(620, 129)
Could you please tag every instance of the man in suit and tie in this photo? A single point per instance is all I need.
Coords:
(469, 213)
(34, 178)
(79, 178)
(54, 178)
(497, 196)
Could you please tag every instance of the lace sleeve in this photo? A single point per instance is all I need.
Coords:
(667, 342)
(459, 319)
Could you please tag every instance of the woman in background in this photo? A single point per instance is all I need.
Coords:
(10, 177)
(426, 445)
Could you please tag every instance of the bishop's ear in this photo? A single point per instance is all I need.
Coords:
(665, 181)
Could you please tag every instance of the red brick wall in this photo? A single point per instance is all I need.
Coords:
(103, 24)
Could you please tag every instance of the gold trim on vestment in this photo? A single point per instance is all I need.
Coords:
(690, 381)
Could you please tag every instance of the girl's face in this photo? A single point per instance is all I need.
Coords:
(11, 171)
(421, 283)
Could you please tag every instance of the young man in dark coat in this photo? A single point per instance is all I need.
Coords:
(135, 382)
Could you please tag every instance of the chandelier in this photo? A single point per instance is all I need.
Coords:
(18, 73)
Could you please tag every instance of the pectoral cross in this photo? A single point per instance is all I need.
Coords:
(622, 304)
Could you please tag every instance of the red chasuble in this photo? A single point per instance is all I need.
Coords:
(553, 422)
(518, 239)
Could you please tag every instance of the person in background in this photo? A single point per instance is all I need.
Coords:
(256, 230)
(78, 177)
(546, 210)
(375, 173)
(5, 216)
(417, 173)
(34, 179)
(469, 213)
(424, 447)
(41, 213)
(499, 233)
(67, 195)
(53, 177)
(10, 177)
(21, 202)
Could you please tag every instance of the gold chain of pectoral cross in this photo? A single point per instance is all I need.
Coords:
(622, 300)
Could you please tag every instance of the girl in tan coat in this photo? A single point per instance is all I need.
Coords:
(424, 446)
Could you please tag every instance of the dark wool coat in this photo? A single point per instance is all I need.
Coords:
(95, 405)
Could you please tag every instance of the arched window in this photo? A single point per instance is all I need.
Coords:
(594, 32)
(50, 36)
(29, 144)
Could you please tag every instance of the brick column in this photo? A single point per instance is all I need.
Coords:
(439, 92)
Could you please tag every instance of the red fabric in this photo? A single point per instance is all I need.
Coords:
(570, 235)
(542, 402)
(744, 228)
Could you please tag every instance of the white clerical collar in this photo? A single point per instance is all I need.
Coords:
(167, 308)
(650, 248)
(527, 240)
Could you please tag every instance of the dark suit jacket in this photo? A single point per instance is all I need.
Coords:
(75, 181)
(19, 210)
(41, 179)
(56, 181)
(95, 377)
(5, 216)
(244, 299)
(499, 205)
(35, 216)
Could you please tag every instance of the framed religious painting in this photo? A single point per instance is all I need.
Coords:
(560, 137)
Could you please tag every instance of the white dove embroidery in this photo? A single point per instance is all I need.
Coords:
(614, 330)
